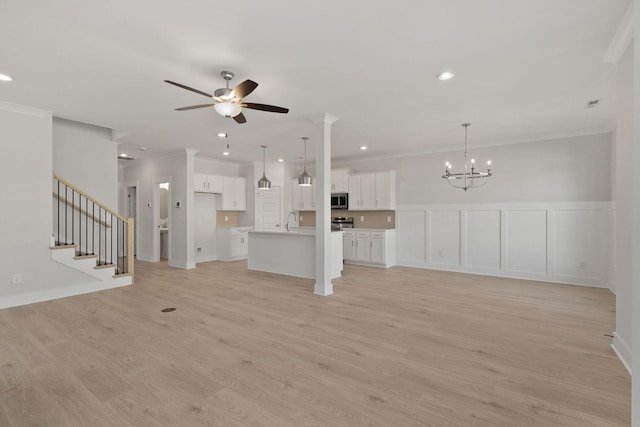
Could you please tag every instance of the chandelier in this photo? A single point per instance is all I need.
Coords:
(467, 179)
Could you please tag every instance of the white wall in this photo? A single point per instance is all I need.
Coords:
(176, 169)
(624, 220)
(559, 170)
(85, 156)
(26, 170)
(554, 242)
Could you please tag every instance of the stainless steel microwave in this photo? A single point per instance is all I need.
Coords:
(340, 201)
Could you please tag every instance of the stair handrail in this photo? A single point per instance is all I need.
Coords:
(102, 205)
(130, 230)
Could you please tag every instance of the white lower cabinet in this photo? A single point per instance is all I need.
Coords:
(232, 243)
(370, 247)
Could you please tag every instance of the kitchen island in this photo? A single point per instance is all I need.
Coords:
(291, 252)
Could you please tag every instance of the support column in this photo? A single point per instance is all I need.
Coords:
(322, 141)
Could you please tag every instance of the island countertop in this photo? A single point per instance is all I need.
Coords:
(291, 252)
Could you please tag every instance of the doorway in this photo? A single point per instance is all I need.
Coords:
(268, 208)
(163, 221)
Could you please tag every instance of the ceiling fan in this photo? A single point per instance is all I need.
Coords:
(228, 102)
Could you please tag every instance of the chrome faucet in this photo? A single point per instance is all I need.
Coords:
(294, 218)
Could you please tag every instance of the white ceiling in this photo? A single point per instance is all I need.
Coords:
(524, 70)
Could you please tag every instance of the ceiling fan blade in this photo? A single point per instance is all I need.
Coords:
(189, 88)
(193, 107)
(265, 107)
(244, 89)
(240, 118)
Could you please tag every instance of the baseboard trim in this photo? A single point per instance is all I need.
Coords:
(622, 350)
(57, 293)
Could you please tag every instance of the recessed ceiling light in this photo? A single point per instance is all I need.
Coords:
(142, 148)
(123, 155)
(281, 160)
(447, 75)
(225, 153)
(222, 134)
(5, 78)
(364, 147)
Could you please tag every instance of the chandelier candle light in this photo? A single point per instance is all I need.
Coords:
(466, 179)
(305, 179)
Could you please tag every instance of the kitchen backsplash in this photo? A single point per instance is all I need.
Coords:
(372, 219)
(232, 219)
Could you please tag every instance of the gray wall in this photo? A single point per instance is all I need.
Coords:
(561, 170)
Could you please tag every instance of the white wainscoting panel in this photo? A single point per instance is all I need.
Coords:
(413, 233)
(444, 229)
(526, 241)
(482, 242)
(577, 243)
(553, 242)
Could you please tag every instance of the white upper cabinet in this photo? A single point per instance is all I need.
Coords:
(234, 193)
(340, 180)
(303, 198)
(203, 183)
(372, 191)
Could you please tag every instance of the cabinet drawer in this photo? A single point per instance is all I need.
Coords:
(349, 233)
(377, 234)
(362, 234)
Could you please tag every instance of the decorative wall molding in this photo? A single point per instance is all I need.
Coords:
(552, 242)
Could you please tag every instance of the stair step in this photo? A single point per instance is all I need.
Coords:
(85, 256)
(115, 276)
(71, 245)
(98, 267)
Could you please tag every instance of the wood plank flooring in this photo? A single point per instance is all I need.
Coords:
(396, 347)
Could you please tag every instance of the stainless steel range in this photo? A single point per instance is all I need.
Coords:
(341, 222)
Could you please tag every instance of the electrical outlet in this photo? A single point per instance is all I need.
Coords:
(362, 219)
(301, 218)
(198, 249)
(226, 218)
(16, 279)
(388, 219)
(583, 265)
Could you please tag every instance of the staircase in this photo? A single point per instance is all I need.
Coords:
(90, 237)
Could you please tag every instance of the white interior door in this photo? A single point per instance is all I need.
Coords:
(268, 213)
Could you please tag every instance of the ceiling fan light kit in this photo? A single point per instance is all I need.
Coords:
(228, 109)
(228, 102)
(304, 179)
(467, 179)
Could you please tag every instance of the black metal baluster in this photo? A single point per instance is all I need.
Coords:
(66, 209)
(58, 194)
(86, 226)
(73, 215)
(99, 234)
(125, 257)
(112, 239)
(93, 228)
(80, 223)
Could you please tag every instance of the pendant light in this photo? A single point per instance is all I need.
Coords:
(304, 179)
(264, 183)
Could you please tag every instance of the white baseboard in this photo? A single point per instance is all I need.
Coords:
(622, 350)
(40, 296)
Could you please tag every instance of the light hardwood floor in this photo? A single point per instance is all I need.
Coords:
(397, 347)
